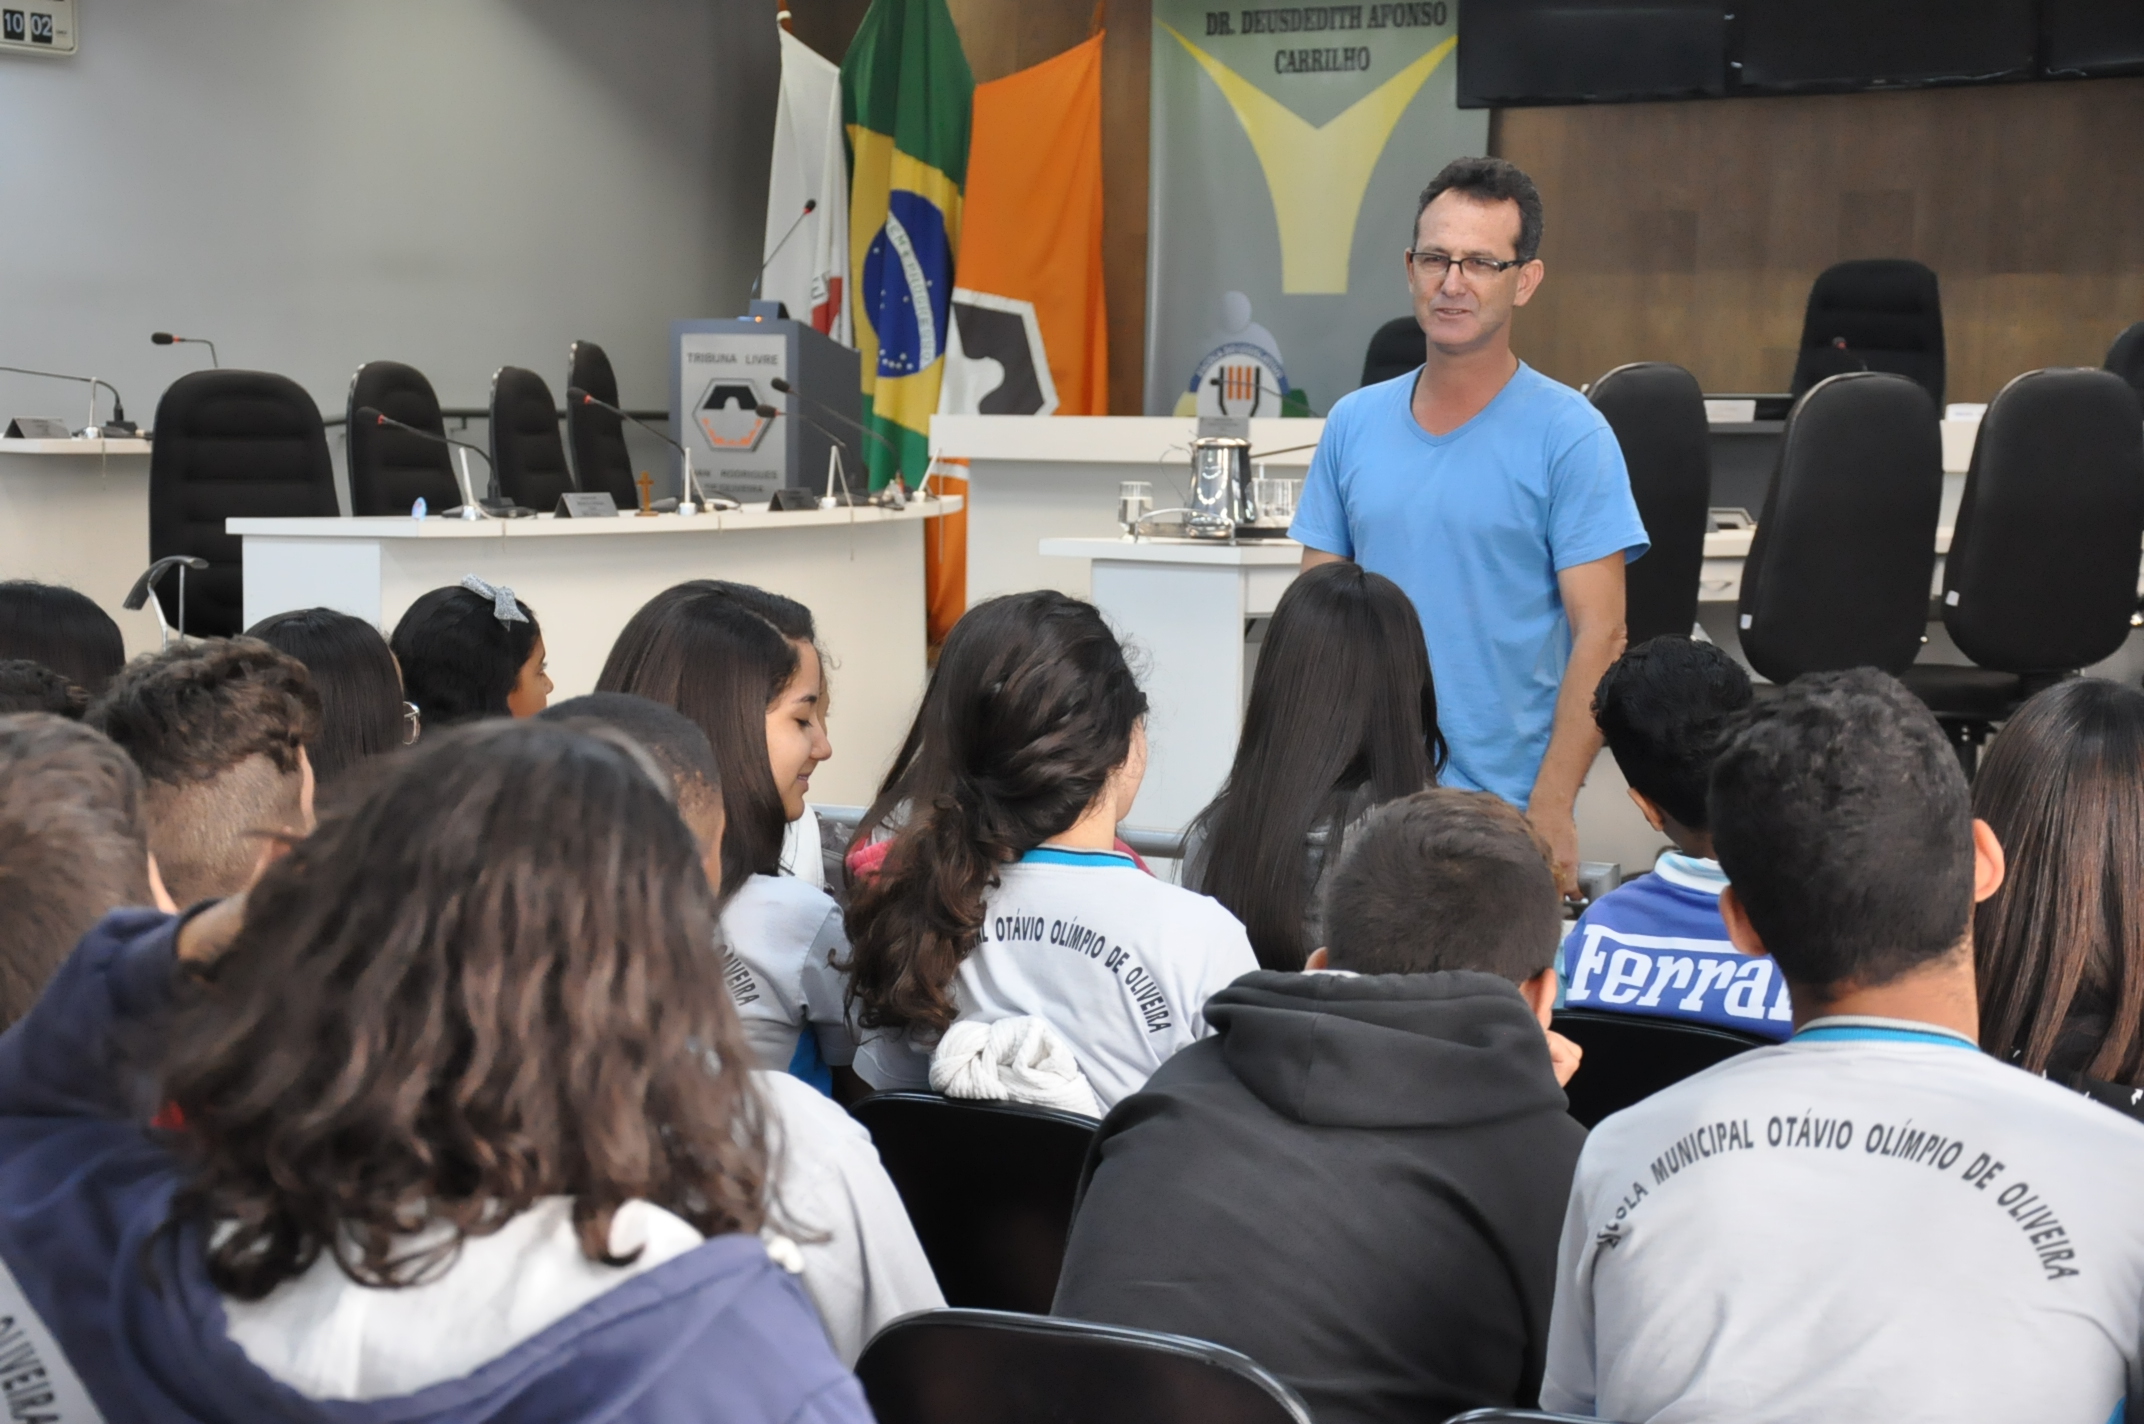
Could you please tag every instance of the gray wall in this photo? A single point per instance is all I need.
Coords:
(459, 184)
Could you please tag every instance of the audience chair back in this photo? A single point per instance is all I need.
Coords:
(2041, 579)
(995, 1367)
(1839, 569)
(1657, 413)
(989, 1187)
(1628, 1058)
(1518, 1416)
(1395, 349)
(526, 451)
(391, 469)
(600, 459)
(1888, 313)
(2125, 358)
(230, 445)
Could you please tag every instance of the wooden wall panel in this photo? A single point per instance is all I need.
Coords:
(1001, 37)
(1691, 232)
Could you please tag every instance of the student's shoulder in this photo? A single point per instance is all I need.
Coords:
(1366, 407)
(807, 1117)
(781, 900)
(1653, 902)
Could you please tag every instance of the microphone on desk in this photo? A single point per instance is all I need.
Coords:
(770, 412)
(1838, 344)
(165, 338)
(811, 205)
(692, 484)
(472, 507)
(788, 390)
(118, 426)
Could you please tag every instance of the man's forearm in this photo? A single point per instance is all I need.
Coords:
(1575, 740)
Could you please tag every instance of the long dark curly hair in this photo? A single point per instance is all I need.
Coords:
(485, 982)
(1031, 708)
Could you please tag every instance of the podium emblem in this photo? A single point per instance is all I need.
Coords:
(728, 414)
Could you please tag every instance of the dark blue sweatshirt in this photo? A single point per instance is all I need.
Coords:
(719, 1335)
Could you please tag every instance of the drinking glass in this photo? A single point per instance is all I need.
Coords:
(1135, 501)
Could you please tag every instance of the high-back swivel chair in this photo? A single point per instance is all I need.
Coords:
(1395, 349)
(600, 459)
(1839, 569)
(527, 454)
(391, 469)
(996, 1367)
(2041, 578)
(230, 444)
(1630, 1057)
(989, 1187)
(1884, 314)
(1657, 413)
(2125, 358)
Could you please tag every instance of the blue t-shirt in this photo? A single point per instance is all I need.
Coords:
(1475, 525)
(1658, 947)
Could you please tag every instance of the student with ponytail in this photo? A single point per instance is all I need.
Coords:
(1002, 894)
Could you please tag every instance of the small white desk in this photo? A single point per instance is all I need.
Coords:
(1184, 607)
(76, 512)
(1056, 477)
(860, 571)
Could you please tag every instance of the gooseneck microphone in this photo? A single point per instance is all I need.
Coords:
(470, 501)
(788, 390)
(165, 338)
(811, 205)
(574, 394)
(119, 425)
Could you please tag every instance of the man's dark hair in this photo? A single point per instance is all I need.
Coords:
(217, 729)
(1444, 879)
(674, 740)
(1489, 180)
(1664, 708)
(1841, 815)
(27, 686)
(73, 841)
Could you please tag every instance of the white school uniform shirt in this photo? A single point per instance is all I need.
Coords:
(1873, 1220)
(1119, 963)
(801, 853)
(783, 935)
(836, 1222)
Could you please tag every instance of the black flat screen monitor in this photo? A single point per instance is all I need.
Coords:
(1514, 53)
(2092, 37)
(1816, 45)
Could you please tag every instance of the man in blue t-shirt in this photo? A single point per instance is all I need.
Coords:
(1658, 946)
(1497, 498)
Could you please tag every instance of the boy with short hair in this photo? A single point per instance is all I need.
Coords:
(1356, 1178)
(1874, 1219)
(1658, 946)
(218, 729)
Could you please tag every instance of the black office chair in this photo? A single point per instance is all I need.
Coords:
(600, 459)
(527, 455)
(1518, 1416)
(2041, 578)
(391, 469)
(1394, 350)
(230, 445)
(1657, 413)
(1839, 568)
(989, 1188)
(2125, 358)
(995, 1367)
(1884, 314)
(1628, 1057)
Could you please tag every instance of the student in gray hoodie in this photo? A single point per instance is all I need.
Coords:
(1358, 1180)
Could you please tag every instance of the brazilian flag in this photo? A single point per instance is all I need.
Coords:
(906, 93)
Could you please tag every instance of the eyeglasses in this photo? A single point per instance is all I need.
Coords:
(1481, 269)
(412, 723)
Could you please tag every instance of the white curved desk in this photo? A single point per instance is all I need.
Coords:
(860, 571)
